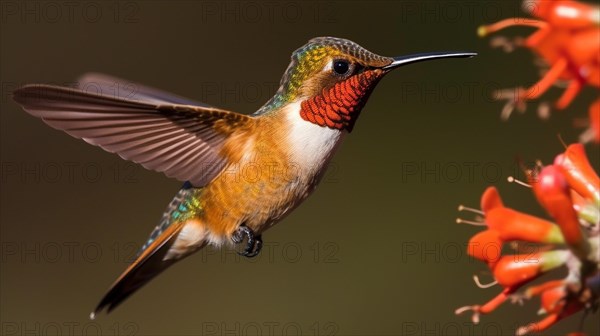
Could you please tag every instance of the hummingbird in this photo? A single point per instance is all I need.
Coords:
(242, 173)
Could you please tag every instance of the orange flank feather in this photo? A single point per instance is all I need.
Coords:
(258, 185)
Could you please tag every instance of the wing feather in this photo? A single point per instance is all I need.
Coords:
(182, 141)
(117, 87)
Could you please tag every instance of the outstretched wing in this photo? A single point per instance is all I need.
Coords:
(120, 88)
(182, 141)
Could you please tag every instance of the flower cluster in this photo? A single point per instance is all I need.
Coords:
(569, 190)
(567, 40)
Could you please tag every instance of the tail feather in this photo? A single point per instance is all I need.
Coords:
(178, 235)
(144, 269)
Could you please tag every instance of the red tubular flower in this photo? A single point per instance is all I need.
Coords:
(552, 300)
(504, 225)
(538, 326)
(543, 288)
(552, 192)
(514, 225)
(516, 270)
(491, 199)
(487, 307)
(574, 14)
(579, 172)
(567, 190)
(485, 246)
(567, 309)
(567, 38)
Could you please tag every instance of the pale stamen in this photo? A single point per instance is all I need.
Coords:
(484, 286)
(562, 141)
(524, 330)
(507, 110)
(464, 221)
(511, 179)
(514, 245)
(507, 45)
(484, 30)
(517, 299)
(539, 164)
(544, 111)
(475, 309)
(515, 99)
(587, 136)
(464, 208)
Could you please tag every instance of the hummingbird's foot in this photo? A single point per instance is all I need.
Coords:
(253, 244)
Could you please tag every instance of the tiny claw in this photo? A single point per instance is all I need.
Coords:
(253, 244)
(238, 235)
(254, 250)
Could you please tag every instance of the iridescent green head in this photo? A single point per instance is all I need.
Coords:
(324, 61)
(329, 65)
(320, 63)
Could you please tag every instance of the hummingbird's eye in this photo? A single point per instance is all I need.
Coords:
(341, 67)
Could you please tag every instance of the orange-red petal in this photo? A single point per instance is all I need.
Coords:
(565, 14)
(515, 270)
(552, 300)
(514, 225)
(491, 305)
(539, 289)
(553, 194)
(491, 199)
(485, 246)
(579, 173)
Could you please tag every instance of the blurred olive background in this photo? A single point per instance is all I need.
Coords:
(374, 251)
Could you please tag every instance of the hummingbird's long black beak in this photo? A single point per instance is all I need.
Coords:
(403, 60)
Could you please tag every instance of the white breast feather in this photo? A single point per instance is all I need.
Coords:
(311, 145)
